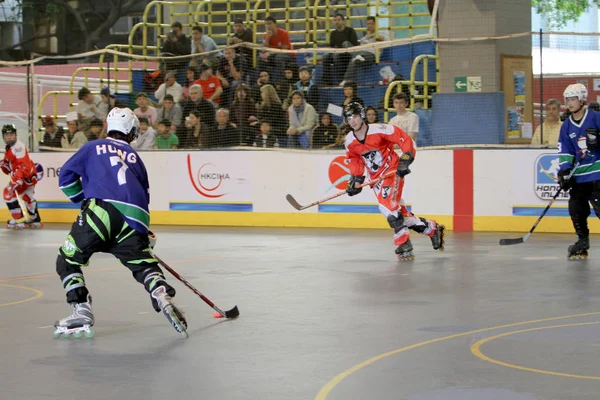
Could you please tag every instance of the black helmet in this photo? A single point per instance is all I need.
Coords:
(9, 128)
(354, 108)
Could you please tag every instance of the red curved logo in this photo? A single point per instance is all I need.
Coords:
(339, 172)
(203, 190)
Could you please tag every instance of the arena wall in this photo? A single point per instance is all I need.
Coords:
(466, 189)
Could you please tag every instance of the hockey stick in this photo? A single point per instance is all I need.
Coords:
(504, 242)
(300, 207)
(233, 313)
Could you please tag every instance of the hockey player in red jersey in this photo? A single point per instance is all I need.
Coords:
(372, 146)
(23, 178)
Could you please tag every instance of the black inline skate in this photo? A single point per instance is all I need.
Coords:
(579, 250)
(405, 251)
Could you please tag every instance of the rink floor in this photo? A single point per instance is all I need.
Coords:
(325, 314)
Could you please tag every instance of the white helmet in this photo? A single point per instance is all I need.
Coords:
(576, 90)
(124, 121)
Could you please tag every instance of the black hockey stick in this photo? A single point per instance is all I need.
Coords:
(233, 313)
(504, 242)
(294, 203)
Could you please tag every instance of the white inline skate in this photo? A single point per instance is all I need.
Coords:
(77, 325)
(171, 312)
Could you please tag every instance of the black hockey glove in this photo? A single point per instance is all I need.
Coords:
(352, 182)
(563, 179)
(591, 136)
(405, 160)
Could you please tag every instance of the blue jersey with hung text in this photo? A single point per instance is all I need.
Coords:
(110, 170)
(572, 147)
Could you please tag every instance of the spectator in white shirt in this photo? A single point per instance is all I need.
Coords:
(89, 106)
(406, 120)
(202, 43)
(145, 141)
(170, 86)
(145, 110)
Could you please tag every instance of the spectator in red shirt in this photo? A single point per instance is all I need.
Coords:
(211, 85)
(275, 38)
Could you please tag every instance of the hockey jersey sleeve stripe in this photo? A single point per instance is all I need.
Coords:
(587, 169)
(132, 211)
(73, 191)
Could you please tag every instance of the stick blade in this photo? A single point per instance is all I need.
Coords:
(293, 202)
(233, 313)
(505, 242)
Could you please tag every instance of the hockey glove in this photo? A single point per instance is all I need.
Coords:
(354, 180)
(152, 239)
(563, 179)
(405, 160)
(591, 136)
(5, 166)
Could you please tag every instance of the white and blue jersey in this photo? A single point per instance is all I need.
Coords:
(109, 170)
(572, 147)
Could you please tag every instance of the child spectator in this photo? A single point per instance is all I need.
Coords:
(146, 139)
(165, 140)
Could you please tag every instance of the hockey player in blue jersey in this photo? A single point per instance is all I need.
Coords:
(578, 148)
(110, 180)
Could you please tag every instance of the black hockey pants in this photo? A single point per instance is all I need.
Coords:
(581, 196)
(101, 228)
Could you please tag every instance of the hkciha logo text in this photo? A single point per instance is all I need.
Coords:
(546, 177)
(207, 180)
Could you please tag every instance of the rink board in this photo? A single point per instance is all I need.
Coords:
(483, 190)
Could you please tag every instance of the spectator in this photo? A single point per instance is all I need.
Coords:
(351, 94)
(308, 88)
(256, 90)
(593, 106)
(334, 64)
(303, 118)
(169, 86)
(327, 134)
(364, 57)
(286, 86)
(242, 112)
(552, 125)
(96, 127)
(270, 108)
(202, 43)
(170, 111)
(53, 133)
(211, 86)
(191, 75)
(226, 135)
(145, 109)
(198, 102)
(264, 138)
(89, 106)
(372, 115)
(145, 141)
(109, 101)
(196, 133)
(165, 140)
(406, 120)
(176, 44)
(73, 138)
(275, 38)
(242, 34)
(231, 72)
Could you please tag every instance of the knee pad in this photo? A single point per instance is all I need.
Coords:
(396, 223)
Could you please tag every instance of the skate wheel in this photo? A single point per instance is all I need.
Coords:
(406, 258)
(90, 334)
(78, 335)
(56, 335)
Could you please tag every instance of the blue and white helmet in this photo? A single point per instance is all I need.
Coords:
(124, 121)
(576, 90)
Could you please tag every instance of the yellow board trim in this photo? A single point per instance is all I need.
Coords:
(524, 224)
(290, 220)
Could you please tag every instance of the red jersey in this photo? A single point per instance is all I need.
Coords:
(277, 41)
(376, 152)
(17, 162)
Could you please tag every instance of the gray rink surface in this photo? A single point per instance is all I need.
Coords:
(313, 303)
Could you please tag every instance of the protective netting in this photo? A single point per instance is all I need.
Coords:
(235, 96)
